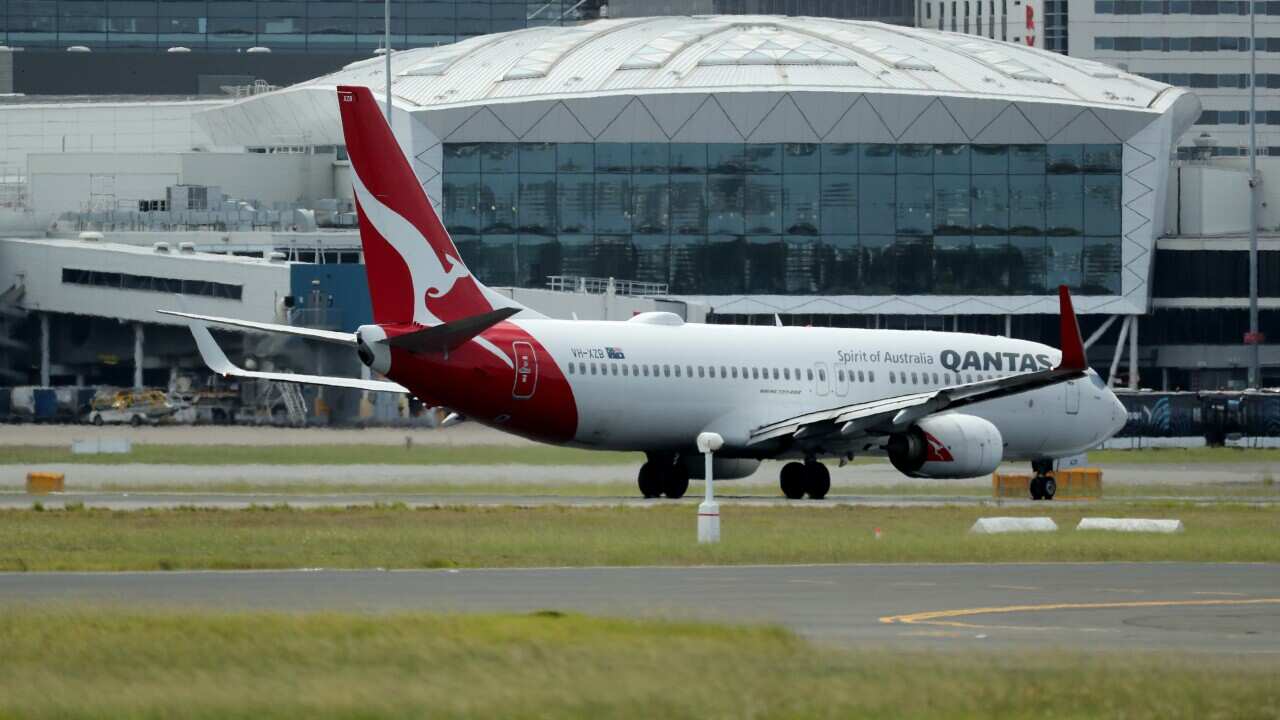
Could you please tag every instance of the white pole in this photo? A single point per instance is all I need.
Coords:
(386, 52)
(709, 510)
(1255, 367)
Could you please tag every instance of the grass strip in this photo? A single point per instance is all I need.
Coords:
(397, 537)
(73, 663)
(322, 455)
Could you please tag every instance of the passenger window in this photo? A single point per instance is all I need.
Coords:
(860, 376)
(755, 373)
(625, 368)
(582, 368)
(735, 373)
(786, 373)
(570, 368)
(656, 371)
(666, 371)
(744, 373)
(822, 375)
(809, 374)
(968, 378)
(677, 371)
(701, 372)
(775, 373)
(891, 378)
(615, 370)
(871, 376)
(840, 374)
(723, 372)
(593, 368)
(935, 379)
(689, 371)
(914, 381)
(646, 370)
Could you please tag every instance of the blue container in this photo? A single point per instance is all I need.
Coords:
(46, 403)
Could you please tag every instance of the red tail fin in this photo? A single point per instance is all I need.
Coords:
(1069, 340)
(415, 272)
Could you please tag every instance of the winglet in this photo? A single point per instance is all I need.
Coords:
(1070, 342)
(210, 351)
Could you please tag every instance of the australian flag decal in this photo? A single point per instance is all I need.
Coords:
(614, 353)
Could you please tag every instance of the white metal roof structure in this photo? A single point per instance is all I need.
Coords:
(760, 79)
(666, 56)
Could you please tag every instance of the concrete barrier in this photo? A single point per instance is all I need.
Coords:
(1130, 525)
(988, 526)
(43, 483)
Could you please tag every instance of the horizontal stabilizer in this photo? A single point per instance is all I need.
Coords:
(329, 336)
(445, 337)
(218, 362)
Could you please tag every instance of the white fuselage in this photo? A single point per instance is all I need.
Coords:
(647, 386)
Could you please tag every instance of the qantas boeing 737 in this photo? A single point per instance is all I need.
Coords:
(939, 405)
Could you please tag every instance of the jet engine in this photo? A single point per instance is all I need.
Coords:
(372, 351)
(951, 445)
(721, 468)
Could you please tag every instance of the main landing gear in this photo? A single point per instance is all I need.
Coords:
(1043, 486)
(663, 476)
(810, 478)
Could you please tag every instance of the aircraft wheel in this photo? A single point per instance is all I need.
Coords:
(135, 420)
(675, 481)
(817, 479)
(97, 419)
(1037, 483)
(791, 478)
(1048, 488)
(650, 480)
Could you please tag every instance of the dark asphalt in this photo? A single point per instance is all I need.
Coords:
(1221, 608)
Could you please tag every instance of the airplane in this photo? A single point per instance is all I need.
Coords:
(937, 404)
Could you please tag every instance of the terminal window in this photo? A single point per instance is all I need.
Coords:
(791, 218)
(151, 283)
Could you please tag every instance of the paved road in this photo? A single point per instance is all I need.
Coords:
(1189, 607)
(240, 501)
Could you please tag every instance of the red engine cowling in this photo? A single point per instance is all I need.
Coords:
(952, 445)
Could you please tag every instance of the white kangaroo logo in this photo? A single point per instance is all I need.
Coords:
(429, 277)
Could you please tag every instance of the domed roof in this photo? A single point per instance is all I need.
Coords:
(737, 52)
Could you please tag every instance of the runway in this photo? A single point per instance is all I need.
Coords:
(1219, 608)
(239, 501)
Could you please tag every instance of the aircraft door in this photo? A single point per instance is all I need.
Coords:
(1073, 397)
(821, 379)
(526, 370)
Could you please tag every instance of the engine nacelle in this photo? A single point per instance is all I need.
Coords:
(373, 353)
(952, 445)
(721, 468)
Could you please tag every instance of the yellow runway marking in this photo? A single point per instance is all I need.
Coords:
(944, 617)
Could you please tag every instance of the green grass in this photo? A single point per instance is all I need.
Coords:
(397, 537)
(71, 663)
(502, 455)
(322, 455)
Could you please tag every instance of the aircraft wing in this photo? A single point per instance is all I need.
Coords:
(218, 362)
(887, 415)
(329, 336)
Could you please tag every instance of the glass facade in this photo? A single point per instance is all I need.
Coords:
(282, 25)
(791, 218)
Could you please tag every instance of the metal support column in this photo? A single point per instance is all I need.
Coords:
(1133, 352)
(1255, 369)
(137, 355)
(1008, 326)
(1115, 359)
(44, 349)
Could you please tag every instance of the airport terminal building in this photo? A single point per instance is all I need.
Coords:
(807, 167)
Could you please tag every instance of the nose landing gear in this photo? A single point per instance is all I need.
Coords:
(1043, 486)
(810, 478)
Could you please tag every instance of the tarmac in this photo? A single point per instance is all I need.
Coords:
(1211, 608)
(125, 500)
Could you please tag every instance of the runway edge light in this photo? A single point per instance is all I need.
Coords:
(709, 509)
